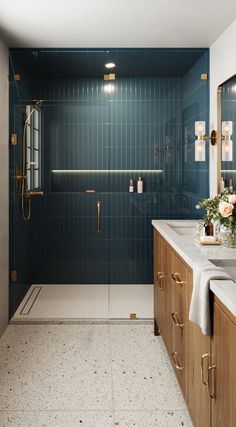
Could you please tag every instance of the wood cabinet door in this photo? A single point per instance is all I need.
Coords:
(162, 295)
(223, 375)
(199, 402)
(179, 316)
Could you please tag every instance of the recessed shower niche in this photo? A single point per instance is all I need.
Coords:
(96, 134)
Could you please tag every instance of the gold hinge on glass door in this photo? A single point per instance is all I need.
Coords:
(13, 139)
(13, 276)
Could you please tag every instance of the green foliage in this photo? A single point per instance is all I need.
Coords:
(211, 208)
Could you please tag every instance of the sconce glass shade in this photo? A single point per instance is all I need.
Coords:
(200, 128)
(200, 150)
(227, 128)
(227, 150)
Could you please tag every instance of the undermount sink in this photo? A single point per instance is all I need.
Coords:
(229, 265)
(183, 230)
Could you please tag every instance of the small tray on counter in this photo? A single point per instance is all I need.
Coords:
(207, 242)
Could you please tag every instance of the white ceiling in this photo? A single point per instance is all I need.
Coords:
(110, 23)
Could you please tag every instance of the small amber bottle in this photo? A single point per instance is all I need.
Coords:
(209, 229)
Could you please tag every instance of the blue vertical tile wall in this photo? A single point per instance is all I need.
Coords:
(195, 175)
(228, 112)
(143, 126)
(136, 127)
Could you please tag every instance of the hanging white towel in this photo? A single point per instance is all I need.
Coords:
(199, 312)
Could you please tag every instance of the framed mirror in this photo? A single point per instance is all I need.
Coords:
(226, 126)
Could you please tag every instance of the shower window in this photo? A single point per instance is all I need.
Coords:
(33, 132)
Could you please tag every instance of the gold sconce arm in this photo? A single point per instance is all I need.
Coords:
(212, 138)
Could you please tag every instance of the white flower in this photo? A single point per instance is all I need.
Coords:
(226, 209)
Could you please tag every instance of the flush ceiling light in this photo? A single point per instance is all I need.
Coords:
(110, 65)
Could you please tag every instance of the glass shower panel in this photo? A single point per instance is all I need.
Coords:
(70, 248)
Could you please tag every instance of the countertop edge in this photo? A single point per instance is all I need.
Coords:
(226, 292)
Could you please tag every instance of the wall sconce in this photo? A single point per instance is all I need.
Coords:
(200, 146)
(227, 143)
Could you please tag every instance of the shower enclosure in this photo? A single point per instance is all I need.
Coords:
(96, 134)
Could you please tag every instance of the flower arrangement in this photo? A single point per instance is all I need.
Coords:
(220, 208)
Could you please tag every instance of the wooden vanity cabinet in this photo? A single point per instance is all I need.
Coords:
(179, 317)
(162, 296)
(222, 379)
(171, 307)
(205, 366)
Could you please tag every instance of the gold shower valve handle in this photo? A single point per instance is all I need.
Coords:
(29, 194)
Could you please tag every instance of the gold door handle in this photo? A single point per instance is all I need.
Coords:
(176, 362)
(160, 276)
(211, 384)
(98, 216)
(176, 320)
(176, 278)
(29, 194)
(203, 358)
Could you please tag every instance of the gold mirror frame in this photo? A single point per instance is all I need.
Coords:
(219, 121)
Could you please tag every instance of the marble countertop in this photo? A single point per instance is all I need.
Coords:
(180, 235)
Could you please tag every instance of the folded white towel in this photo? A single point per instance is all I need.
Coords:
(199, 312)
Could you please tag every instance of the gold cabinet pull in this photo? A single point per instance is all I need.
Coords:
(98, 216)
(176, 320)
(160, 276)
(211, 384)
(176, 278)
(176, 362)
(203, 358)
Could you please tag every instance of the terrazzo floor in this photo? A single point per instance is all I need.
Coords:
(87, 375)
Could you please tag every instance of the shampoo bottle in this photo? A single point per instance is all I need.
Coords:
(140, 185)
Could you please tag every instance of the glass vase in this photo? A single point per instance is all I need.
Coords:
(228, 236)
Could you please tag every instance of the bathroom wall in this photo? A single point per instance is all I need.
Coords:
(223, 66)
(4, 195)
(195, 107)
(136, 127)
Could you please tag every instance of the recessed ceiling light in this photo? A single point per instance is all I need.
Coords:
(110, 65)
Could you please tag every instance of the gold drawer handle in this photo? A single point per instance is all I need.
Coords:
(160, 276)
(176, 320)
(176, 278)
(203, 358)
(211, 389)
(176, 362)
